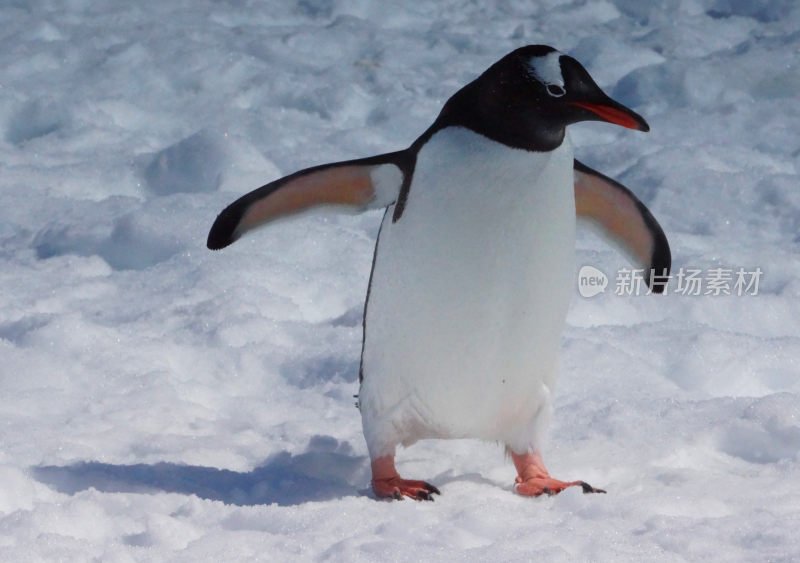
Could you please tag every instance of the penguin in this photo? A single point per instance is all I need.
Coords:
(474, 260)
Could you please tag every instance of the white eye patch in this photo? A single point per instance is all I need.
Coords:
(547, 70)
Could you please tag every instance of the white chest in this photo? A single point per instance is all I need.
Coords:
(485, 228)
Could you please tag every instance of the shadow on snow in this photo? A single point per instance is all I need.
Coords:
(326, 472)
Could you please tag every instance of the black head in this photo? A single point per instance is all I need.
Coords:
(528, 97)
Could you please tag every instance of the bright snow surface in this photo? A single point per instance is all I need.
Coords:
(162, 402)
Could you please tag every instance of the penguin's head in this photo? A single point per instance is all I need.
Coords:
(562, 86)
(527, 99)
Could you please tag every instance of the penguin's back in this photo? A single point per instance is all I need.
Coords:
(468, 295)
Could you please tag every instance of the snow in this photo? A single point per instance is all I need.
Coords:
(163, 402)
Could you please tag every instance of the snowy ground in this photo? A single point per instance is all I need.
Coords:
(162, 402)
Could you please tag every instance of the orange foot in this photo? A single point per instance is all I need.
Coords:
(534, 480)
(387, 483)
(535, 487)
(397, 488)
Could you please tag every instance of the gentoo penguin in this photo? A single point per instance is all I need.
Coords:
(474, 261)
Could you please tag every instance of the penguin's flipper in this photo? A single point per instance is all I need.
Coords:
(357, 185)
(623, 218)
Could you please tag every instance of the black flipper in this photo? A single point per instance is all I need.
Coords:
(622, 217)
(367, 183)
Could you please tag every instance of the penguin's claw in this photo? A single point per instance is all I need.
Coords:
(397, 488)
(587, 488)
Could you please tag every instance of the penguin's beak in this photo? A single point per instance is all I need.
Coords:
(614, 112)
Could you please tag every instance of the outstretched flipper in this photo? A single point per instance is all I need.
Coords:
(622, 217)
(366, 183)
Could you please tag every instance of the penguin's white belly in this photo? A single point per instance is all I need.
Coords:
(468, 296)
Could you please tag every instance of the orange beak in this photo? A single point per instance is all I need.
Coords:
(617, 114)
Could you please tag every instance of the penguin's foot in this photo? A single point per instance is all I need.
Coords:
(387, 483)
(538, 486)
(397, 488)
(533, 479)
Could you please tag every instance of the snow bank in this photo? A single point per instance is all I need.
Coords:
(160, 401)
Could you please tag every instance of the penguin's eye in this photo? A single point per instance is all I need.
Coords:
(555, 90)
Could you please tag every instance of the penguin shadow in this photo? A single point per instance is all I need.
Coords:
(326, 470)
